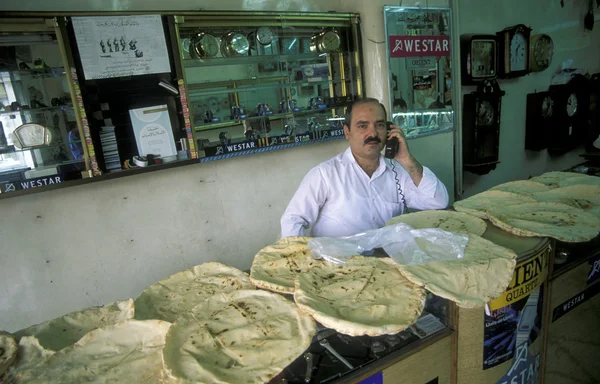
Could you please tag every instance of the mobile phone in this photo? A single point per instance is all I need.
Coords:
(391, 145)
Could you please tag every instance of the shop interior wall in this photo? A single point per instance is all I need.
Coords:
(571, 42)
(67, 249)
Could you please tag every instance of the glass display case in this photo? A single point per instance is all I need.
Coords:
(40, 137)
(259, 81)
(419, 58)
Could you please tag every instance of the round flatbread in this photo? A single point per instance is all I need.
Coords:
(63, 331)
(8, 351)
(586, 197)
(126, 352)
(580, 180)
(560, 221)
(478, 204)
(481, 275)
(30, 354)
(365, 296)
(180, 292)
(240, 337)
(521, 187)
(553, 179)
(450, 221)
(275, 267)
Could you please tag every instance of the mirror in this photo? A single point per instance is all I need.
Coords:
(420, 75)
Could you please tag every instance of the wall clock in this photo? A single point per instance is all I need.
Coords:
(234, 44)
(513, 48)
(540, 52)
(481, 127)
(479, 58)
(204, 45)
(325, 41)
(571, 109)
(540, 121)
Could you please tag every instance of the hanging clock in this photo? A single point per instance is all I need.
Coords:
(204, 45)
(540, 121)
(481, 127)
(325, 41)
(513, 51)
(540, 52)
(479, 58)
(593, 131)
(265, 35)
(571, 113)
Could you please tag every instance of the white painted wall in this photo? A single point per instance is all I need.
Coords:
(565, 26)
(71, 248)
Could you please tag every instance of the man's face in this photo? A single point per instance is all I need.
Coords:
(367, 131)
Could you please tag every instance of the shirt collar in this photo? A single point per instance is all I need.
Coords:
(348, 158)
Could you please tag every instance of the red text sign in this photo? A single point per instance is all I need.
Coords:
(414, 46)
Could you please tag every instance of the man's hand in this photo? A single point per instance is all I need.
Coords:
(404, 157)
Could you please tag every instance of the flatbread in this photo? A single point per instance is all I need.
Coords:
(63, 331)
(184, 290)
(478, 204)
(480, 276)
(580, 180)
(553, 179)
(586, 197)
(126, 352)
(365, 296)
(275, 267)
(30, 354)
(240, 337)
(521, 187)
(447, 220)
(560, 221)
(8, 351)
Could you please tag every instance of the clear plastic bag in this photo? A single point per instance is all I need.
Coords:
(401, 242)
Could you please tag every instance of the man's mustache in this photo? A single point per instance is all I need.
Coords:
(373, 139)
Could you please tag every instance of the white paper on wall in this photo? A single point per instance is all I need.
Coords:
(117, 46)
(153, 133)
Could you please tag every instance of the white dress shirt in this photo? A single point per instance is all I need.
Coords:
(337, 198)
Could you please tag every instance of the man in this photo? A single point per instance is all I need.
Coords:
(357, 190)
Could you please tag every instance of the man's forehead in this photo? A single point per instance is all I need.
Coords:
(368, 111)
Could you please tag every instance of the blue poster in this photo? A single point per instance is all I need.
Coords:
(507, 328)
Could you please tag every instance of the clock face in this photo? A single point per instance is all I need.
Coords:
(517, 54)
(32, 135)
(309, 71)
(543, 51)
(572, 105)
(547, 107)
(330, 41)
(239, 44)
(210, 45)
(485, 113)
(265, 35)
(483, 58)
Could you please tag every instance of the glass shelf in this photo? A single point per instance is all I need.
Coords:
(38, 72)
(36, 110)
(206, 90)
(424, 123)
(275, 116)
(244, 60)
(14, 149)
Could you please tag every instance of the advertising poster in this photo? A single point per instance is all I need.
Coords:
(511, 327)
(117, 46)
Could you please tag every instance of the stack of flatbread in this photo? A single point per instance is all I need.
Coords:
(64, 331)
(522, 187)
(8, 352)
(181, 292)
(245, 336)
(479, 204)
(126, 352)
(365, 296)
(450, 221)
(560, 221)
(276, 266)
(480, 276)
(554, 179)
(582, 196)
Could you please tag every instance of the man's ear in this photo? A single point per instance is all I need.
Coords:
(346, 131)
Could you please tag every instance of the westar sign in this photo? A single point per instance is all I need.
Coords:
(415, 46)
